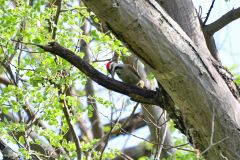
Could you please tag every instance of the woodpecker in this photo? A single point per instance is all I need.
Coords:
(125, 72)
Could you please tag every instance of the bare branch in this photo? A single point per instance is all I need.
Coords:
(222, 21)
(110, 132)
(8, 69)
(59, 4)
(209, 12)
(134, 152)
(131, 116)
(212, 136)
(163, 136)
(129, 124)
(125, 156)
(5, 81)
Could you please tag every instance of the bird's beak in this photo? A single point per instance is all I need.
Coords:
(112, 71)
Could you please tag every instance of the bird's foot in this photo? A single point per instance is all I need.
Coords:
(141, 84)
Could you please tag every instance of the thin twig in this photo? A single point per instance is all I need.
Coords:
(131, 115)
(9, 71)
(209, 12)
(126, 121)
(163, 137)
(72, 9)
(150, 115)
(224, 157)
(27, 43)
(19, 63)
(110, 132)
(212, 135)
(18, 68)
(146, 140)
(181, 145)
(5, 81)
(29, 51)
(74, 134)
(151, 121)
(56, 18)
(125, 156)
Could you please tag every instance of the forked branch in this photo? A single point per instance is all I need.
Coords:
(222, 21)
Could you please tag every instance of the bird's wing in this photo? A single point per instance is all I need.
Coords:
(134, 70)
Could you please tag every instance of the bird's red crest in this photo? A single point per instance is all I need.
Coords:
(108, 65)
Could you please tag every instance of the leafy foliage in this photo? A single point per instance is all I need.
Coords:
(34, 95)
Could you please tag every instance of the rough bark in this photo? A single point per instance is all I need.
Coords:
(184, 13)
(183, 69)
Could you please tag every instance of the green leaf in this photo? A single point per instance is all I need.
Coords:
(21, 140)
(106, 128)
(4, 110)
(37, 40)
(94, 33)
(38, 141)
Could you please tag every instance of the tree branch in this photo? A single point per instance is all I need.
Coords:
(135, 152)
(137, 94)
(129, 124)
(110, 132)
(44, 147)
(222, 21)
(71, 127)
(7, 151)
(5, 81)
(209, 12)
(59, 4)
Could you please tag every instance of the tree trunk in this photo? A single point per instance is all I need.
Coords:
(186, 72)
(184, 13)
